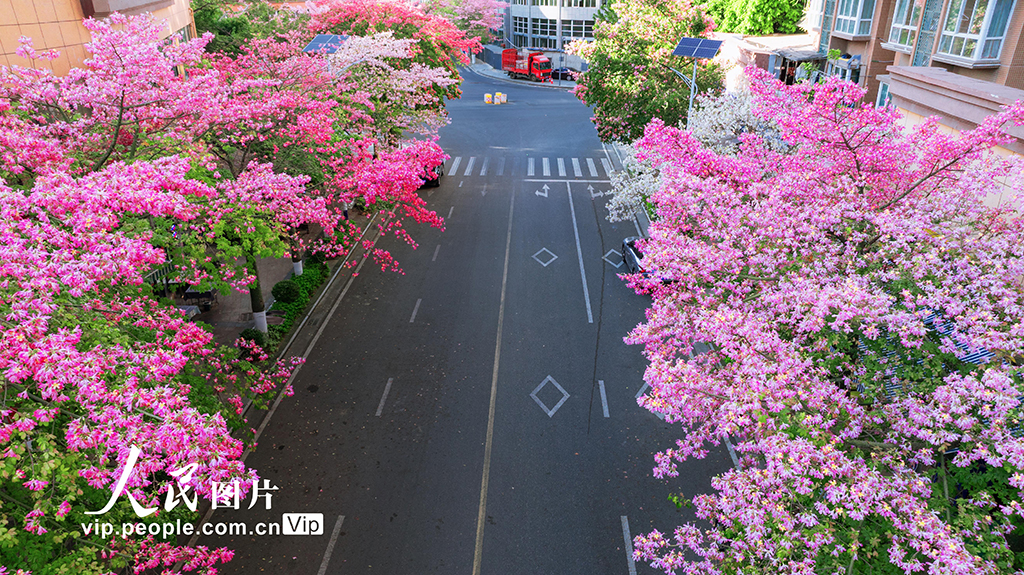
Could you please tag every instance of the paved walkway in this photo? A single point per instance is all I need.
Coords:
(232, 312)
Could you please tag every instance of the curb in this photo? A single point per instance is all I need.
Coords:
(506, 79)
(286, 347)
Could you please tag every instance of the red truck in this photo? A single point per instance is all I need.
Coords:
(527, 65)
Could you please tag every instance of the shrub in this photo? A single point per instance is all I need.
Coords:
(287, 291)
(254, 335)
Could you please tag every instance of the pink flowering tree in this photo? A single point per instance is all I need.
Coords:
(100, 381)
(475, 17)
(316, 119)
(849, 312)
(439, 43)
(129, 102)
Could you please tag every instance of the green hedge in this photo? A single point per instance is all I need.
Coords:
(313, 276)
(286, 291)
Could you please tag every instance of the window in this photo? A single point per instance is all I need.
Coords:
(180, 37)
(520, 40)
(543, 2)
(519, 26)
(551, 43)
(812, 18)
(578, 28)
(883, 96)
(904, 23)
(579, 3)
(853, 17)
(975, 29)
(545, 27)
(519, 2)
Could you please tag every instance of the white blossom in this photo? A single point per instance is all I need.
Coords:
(631, 187)
(720, 120)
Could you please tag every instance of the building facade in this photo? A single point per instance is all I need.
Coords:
(958, 60)
(979, 39)
(57, 25)
(549, 24)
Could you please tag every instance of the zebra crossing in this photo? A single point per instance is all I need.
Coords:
(467, 166)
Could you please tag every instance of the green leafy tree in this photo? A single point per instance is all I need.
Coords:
(632, 76)
(757, 16)
(234, 24)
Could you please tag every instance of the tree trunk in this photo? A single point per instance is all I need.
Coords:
(259, 309)
(296, 258)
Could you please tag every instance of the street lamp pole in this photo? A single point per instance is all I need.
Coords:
(691, 83)
(694, 48)
(693, 90)
(561, 41)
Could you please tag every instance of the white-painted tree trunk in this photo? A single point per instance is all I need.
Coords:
(297, 268)
(261, 320)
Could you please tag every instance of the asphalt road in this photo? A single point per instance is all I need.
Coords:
(496, 359)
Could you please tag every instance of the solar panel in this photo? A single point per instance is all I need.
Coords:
(707, 51)
(686, 47)
(325, 43)
(697, 48)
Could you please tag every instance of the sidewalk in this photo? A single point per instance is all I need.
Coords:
(485, 69)
(232, 311)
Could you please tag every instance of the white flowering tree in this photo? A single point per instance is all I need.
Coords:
(719, 122)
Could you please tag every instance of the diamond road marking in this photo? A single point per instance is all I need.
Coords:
(551, 380)
(661, 416)
(615, 261)
(547, 263)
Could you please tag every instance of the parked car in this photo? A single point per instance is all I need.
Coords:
(631, 256)
(564, 73)
(634, 260)
(434, 182)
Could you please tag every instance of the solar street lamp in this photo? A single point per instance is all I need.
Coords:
(325, 43)
(328, 44)
(694, 48)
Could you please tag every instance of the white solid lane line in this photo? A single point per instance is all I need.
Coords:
(330, 545)
(415, 309)
(732, 454)
(478, 553)
(579, 252)
(604, 397)
(383, 398)
(629, 545)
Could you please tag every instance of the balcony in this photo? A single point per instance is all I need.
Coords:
(962, 102)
